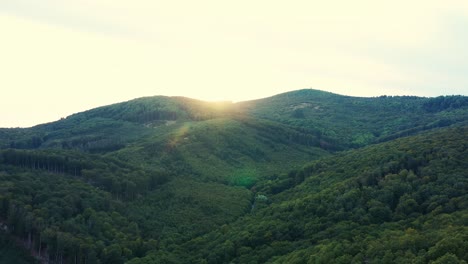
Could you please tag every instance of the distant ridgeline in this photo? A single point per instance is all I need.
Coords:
(445, 102)
(301, 177)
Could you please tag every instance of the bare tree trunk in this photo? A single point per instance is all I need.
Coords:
(56, 254)
(40, 245)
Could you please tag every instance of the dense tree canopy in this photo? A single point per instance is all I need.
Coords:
(176, 180)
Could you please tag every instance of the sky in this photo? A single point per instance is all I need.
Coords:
(59, 57)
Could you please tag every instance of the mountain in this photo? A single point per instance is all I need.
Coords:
(175, 180)
(347, 122)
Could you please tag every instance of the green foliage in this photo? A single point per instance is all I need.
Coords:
(375, 204)
(176, 180)
(239, 151)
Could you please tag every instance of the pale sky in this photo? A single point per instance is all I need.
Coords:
(59, 57)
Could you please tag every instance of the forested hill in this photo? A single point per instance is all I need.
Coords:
(347, 121)
(174, 180)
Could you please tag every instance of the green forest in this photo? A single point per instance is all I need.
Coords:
(301, 177)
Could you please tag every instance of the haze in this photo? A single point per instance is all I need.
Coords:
(61, 57)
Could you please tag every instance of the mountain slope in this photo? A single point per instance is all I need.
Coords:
(400, 201)
(150, 178)
(218, 149)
